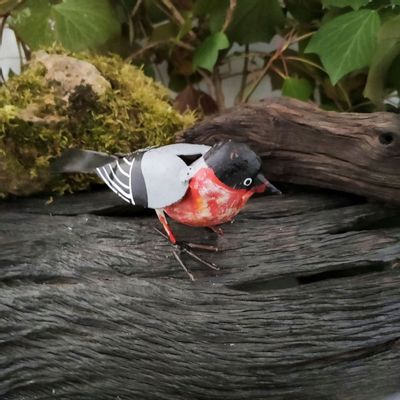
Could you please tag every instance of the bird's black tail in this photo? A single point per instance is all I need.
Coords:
(75, 160)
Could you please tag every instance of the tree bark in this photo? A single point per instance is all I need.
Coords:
(350, 152)
(306, 304)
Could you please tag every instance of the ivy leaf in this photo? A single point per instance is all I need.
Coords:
(387, 50)
(255, 21)
(354, 4)
(298, 88)
(75, 24)
(346, 43)
(206, 54)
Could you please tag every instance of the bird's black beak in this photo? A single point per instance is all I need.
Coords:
(269, 187)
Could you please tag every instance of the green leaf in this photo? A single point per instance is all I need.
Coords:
(255, 21)
(354, 4)
(298, 88)
(387, 50)
(346, 43)
(75, 24)
(206, 54)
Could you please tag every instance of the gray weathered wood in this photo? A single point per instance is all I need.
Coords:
(351, 152)
(306, 304)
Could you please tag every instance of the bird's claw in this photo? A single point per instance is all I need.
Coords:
(185, 247)
(181, 263)
(189, 245)
(217, 229)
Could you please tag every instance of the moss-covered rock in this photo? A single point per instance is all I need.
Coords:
(63, 100)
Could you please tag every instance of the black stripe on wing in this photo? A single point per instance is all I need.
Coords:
(117, 177)
(138, 185)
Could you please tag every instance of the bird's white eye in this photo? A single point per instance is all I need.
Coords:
(247, 182)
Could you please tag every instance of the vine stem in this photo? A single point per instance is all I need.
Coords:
(176, 16)
(289, 40)
(229, 14)
(264, 71)
(156, 44)
(245, 73)
(209, 83)
(130, 23)
(219, 93)
(340, 86)
(279, 72)
(302, 37)
(345, 95)
(305, 61)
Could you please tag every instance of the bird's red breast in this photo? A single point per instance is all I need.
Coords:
(209, 202)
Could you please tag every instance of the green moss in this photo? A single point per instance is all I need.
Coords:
(37, 123)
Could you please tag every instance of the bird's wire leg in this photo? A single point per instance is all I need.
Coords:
(164, 222)
(171, 237)
(161, 233)
(186, 244)
(175, 252)
(183, 247)
(199, 259)
(176, 255)
(217, 229)
(201, 246)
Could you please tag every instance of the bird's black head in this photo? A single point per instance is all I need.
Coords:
(235, 165)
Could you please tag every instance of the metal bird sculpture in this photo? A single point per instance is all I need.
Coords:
(196, 185)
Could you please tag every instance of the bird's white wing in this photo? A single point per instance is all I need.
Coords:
(166, 174)
(153, 178)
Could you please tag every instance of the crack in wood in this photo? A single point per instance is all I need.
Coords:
(287, 282)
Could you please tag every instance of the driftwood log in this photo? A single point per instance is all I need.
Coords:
(306, 304)
(351, 152)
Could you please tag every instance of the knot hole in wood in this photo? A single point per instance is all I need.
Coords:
(386, 138)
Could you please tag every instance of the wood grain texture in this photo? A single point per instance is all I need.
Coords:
(306, 304)
(352, 152)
